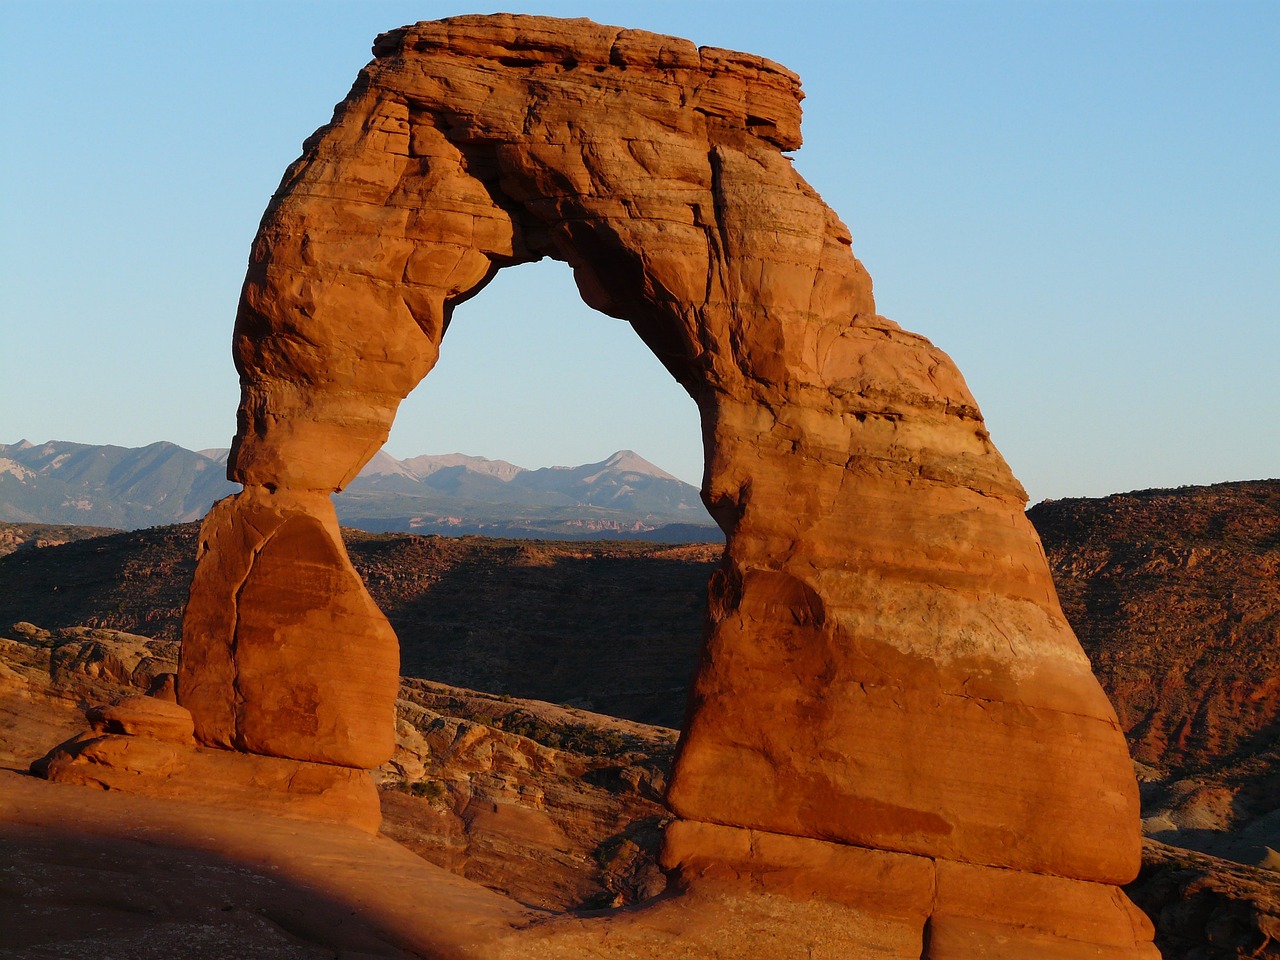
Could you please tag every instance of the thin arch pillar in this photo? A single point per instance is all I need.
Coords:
(886, 666)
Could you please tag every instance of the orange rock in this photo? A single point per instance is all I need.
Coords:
(957, 911)
(213, 777)
(886, 884)
(144, 717)
(1006, 915)
(886, 663)
(283, 652)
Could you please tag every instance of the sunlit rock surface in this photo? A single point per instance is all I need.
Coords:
(887, 676)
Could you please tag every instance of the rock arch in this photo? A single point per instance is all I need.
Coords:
(886, 674)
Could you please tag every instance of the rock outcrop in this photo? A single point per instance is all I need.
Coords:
(553, 806)
(145, 745)
(889, 695)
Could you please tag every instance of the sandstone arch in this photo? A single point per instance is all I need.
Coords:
(888, 688)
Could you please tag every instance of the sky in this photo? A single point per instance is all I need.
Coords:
(1078, 201)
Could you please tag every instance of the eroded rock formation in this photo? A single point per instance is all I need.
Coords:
(889, 697)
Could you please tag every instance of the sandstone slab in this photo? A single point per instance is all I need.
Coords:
(172, 766)
(147, 717)
(954, 910)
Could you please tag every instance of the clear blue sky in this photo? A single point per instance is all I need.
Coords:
(1080, 202)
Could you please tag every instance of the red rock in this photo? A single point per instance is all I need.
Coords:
(212, 777)
(886, 666)
(883, 883)
(959, 911)
(283, 651)
(980, 912)
(144, 717)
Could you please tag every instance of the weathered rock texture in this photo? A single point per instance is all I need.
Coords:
(161, 763)
(308, 661)
(1199, 564)
(533, 819)
(886, 664)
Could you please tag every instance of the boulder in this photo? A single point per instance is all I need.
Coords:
(144, 717)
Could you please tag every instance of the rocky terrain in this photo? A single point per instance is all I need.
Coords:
(556, 807)
(1175, 594)
(614, 626)
(1206, 908)
(1172, 593)
(28, 536)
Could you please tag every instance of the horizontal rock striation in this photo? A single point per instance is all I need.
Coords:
(886, 665)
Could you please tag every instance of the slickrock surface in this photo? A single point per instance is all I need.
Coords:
(207, 881)
(554, 806)
(205, 885)
(886, 664)
(48, 677)
(551, 806)
(94, 874)
(1203, 907)
(203, 880)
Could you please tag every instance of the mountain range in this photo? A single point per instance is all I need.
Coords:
(621, 497)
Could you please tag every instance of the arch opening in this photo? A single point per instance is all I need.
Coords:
(634, 667)
(529, 374)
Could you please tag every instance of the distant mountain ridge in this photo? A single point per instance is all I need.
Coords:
(623, 496)
(105, 485)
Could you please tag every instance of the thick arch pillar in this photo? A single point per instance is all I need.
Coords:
(886, 667)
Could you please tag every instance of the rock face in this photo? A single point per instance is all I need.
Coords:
(131, 748)
(886, 666)
(310, 661)
(521, 796)
(1208, 909)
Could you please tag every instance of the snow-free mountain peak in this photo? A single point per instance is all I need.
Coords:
(425, 465)
(628, 461)
(623, 495)
(384, 465)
